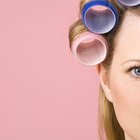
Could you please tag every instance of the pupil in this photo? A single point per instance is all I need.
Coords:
(137, 71)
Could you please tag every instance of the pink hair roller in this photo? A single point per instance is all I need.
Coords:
(89, 49)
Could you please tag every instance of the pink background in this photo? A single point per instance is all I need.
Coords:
(44, 93)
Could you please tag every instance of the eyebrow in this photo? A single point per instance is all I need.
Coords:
(131, 60)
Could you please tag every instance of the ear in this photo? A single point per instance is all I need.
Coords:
(104, 80)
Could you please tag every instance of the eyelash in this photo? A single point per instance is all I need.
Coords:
(132, 68)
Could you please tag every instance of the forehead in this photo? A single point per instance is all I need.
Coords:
(128, 39)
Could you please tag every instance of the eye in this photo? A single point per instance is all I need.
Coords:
(134, 72)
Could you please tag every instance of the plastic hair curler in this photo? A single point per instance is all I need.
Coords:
(129, 2)
(89, 49)
(99, 16)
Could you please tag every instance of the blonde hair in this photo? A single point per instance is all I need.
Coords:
(107, 121)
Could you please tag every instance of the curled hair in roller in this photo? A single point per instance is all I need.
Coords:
(99, 17)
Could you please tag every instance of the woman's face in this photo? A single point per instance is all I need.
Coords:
(124, 82)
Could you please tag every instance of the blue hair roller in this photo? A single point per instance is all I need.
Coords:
(99, 21)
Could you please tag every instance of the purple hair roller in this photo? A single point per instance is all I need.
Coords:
(129, 2)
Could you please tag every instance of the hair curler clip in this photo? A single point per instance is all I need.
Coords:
(89, 49)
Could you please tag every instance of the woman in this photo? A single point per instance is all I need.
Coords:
(119, 71)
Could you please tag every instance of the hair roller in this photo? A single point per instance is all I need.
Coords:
(99, 16)
(89, 49)
(129, 2)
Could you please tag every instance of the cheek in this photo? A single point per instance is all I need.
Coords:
(126, 101)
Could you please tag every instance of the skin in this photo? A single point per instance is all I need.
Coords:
(119, 86)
